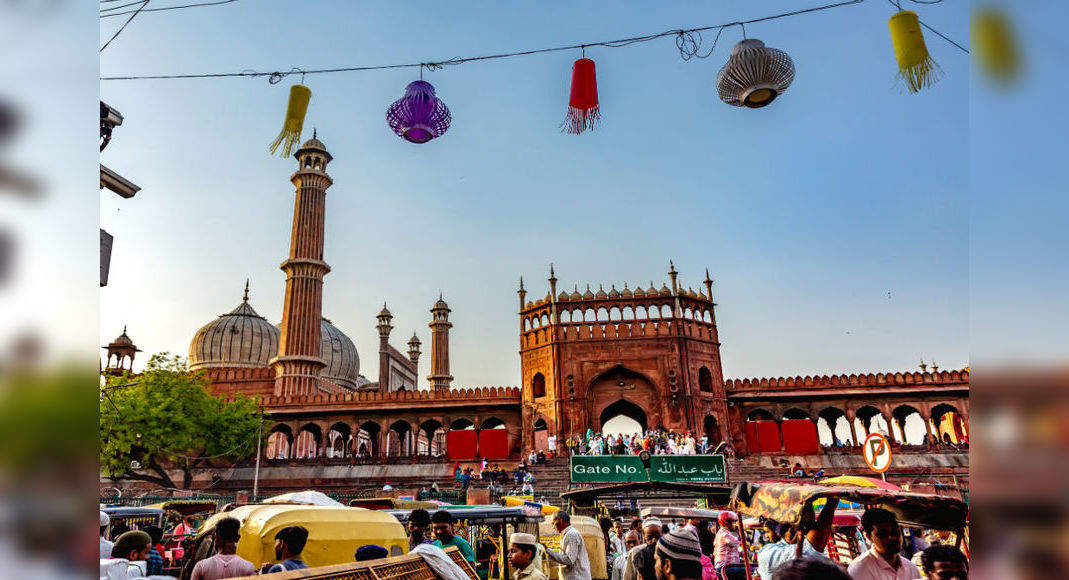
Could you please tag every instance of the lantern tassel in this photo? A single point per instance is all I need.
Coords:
(920, 75)
(579, 120)
(291, 128)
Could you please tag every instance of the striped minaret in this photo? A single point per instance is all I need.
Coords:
(298, 363)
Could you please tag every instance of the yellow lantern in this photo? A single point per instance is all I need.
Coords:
(995, 44)
(915, 65)
(291, 127)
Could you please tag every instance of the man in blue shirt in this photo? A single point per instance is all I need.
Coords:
(442, 523)
(289, 543)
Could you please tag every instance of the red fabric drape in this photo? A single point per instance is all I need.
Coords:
(494, 443)
(461, 444)
(762, 437)
(800, 437)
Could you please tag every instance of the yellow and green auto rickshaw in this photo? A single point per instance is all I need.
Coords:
(334, 533)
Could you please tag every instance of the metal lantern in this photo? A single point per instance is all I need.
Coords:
(419, 116)
(754, 75)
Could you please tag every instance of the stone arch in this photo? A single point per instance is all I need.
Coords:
(602, 314)
(306, 446)
(666, 311)
(544, 320)
(614, 314)
(623, 407)
(628, 313)
(705, 379)
(538, 385)
(462, 424)
(338, 440)
(565, 316)
(796, 413)
(535, 324)
(760, 415)
(527, 324)
(834, 428)
(711, 429)
(640, 312)
(367, 439)
(279, 442)
(869, 419)
(950, 426)
(908, 426)
(707, 317)
(577, 315)
(492, 423)
(431, 440)
(398, 440)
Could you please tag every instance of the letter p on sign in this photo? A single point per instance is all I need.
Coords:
(877, 452)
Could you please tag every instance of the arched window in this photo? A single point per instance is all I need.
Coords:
(538, 385)
(705, 380)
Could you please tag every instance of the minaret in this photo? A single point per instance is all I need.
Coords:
(384, 327)
(298, 362)
(523, 295)
(413, 353)
(440, 325)
(709, 293)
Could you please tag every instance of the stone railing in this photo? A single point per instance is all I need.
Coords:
(476, 394)
(852, 380)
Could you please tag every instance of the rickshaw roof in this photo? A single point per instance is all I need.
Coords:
(187, 507)
(480, 514)
(783, 502)
(255, 518)
(130, 511)
(649, 489)
(680, 512)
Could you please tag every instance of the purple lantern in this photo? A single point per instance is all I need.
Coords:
(419, 116)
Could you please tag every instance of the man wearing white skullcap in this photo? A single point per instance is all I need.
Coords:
(523, 549)
(575, 564)
(105, 545)
(640, 559)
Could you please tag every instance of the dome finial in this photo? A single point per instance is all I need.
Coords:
(313, 132)
(246, 297)
(124, 328)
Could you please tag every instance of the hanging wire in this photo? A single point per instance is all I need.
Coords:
(160, 9)
(124, 24)
(434, 65)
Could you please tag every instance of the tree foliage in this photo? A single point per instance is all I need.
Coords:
(167, 418)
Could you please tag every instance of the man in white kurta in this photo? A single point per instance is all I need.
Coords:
(575, 564)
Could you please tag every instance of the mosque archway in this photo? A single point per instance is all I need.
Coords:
(623, 416)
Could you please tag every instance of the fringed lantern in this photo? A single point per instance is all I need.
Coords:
(419, 116)
(291, 127)
(754, 75)
(996, 45)
(915, 65)
(583, 112)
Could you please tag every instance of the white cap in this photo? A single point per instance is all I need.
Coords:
(521, 538)
(104, 519)
(651, 522)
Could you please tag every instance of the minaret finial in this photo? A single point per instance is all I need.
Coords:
(551, 274)
(124, 328)
(521, 283)
(313, 132)
(671, 267)
(246, 297)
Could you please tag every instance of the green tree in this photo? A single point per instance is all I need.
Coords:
(167, 418)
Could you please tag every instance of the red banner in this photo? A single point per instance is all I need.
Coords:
(494, 443)
(800, 437)
(762, 437)
(460, 444)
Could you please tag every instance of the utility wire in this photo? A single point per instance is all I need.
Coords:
(161, 9)
(123, 27)
(434, 65)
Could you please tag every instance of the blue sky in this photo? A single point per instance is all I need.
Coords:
(835, 221)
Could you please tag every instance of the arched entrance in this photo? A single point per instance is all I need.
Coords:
(623, 416)
(621, 392)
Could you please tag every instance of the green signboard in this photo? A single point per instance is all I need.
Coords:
(629, 468)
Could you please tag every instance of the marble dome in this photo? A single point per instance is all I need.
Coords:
(239, 338)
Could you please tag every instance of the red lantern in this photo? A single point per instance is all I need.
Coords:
(583, 111)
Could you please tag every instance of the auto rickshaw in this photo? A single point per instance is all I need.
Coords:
(486, 528)
(334, 533)
(592, 537)
(175, 511)
(785, 502)
(131, 518)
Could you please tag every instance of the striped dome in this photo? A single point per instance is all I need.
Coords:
(239, 338)
(339, 352)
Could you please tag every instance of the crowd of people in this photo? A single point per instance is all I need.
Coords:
(654, 441)
(700, 550)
